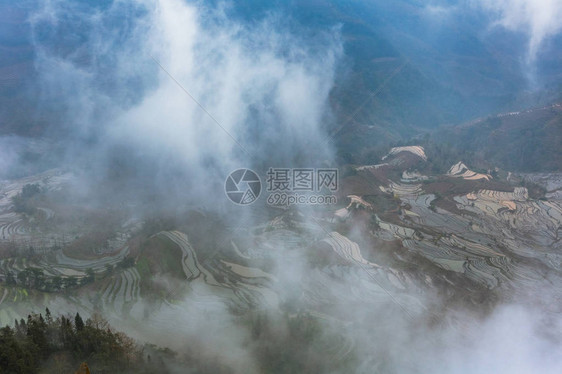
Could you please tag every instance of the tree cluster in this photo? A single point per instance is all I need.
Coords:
(53, 345)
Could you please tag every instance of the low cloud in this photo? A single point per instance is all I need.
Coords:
(268, 88)
(539, 19)
(265, 86)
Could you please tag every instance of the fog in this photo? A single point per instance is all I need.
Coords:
(539, 20)
(258, 93)
(166, 98)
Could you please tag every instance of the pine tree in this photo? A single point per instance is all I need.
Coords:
(48, 316)
(78, 322)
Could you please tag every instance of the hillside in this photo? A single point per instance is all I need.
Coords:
(280, 187)
(404, 67)
(400, 234)
(54, 344)
(525, 141)
(520, 141)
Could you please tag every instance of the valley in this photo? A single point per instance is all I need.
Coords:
(482, 240)
(250, 187)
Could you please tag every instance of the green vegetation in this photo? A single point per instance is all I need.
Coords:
(35, 278)
(525, 142)
(24, 201)
(159, 255)
(59, 345)
(127, 262)
(45, 344)
(303, 346)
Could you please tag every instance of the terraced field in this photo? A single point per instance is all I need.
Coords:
(121, 292)
(481, 248)
(440, 232)
(355, 202)
(492, 237)
(15, 227)
(414, 149)
(96, 264)
(234, 287)
(552, 182)
(402, 189)
(346, 249)
(12, 227)
(460, 170)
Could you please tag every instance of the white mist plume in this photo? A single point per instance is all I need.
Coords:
(269, 90)
(264, 85)
(539, 19)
